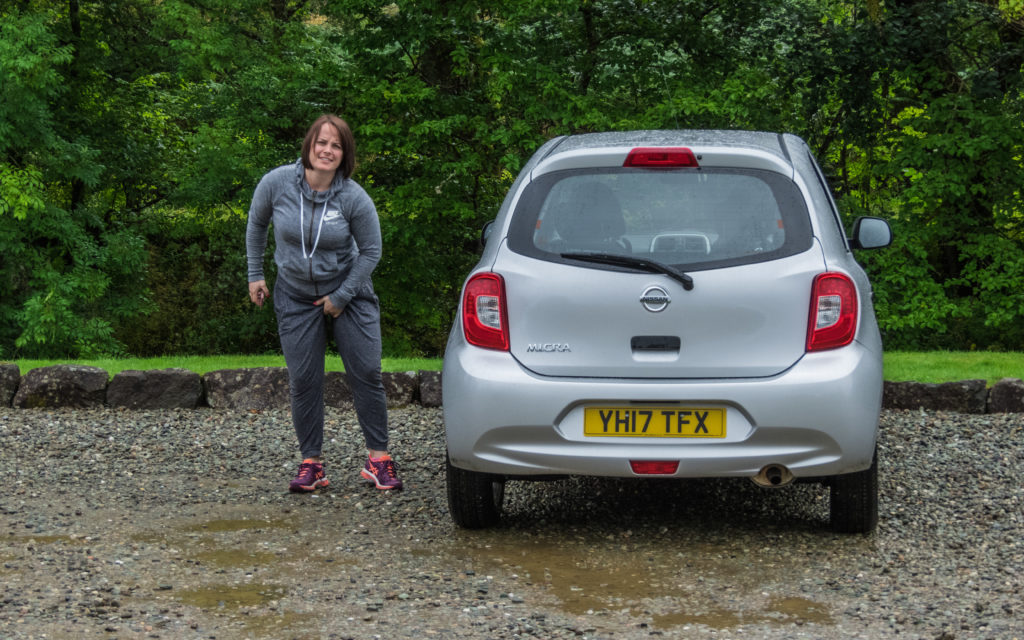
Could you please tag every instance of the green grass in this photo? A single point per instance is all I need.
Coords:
(205, 364)
(950, 366)
(928, 366)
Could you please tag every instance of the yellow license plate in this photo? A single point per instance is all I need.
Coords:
(654, 422)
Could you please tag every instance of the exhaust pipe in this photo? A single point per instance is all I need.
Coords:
(773, 476)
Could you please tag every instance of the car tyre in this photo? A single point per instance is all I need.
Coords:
(853, 500)
(474, 499)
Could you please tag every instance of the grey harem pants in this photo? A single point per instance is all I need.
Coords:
(303, 328)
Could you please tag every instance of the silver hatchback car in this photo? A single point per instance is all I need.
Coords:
(667, 304)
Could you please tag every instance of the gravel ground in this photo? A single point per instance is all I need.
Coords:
(177, 524)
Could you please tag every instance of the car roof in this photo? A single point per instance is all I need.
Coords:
(714, 148)
(773, 143)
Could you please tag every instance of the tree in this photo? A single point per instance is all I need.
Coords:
(63, 270)
(132, 134)
(943, 159)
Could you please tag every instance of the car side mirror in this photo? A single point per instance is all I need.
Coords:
(871, 233)
(485, 232)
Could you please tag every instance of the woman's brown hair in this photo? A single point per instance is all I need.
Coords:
(348, 143)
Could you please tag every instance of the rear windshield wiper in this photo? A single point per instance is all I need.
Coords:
(651, 266)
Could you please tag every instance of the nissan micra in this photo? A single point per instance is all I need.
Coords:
(667, 304)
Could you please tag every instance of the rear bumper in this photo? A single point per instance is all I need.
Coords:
(818, 418)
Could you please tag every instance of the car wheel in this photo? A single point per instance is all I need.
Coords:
(474, 499)
(853, 500)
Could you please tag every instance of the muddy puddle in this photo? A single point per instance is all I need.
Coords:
(238, 524)
(664, 585)
(36, 539)
(245, 603)
(705, 584)
(231, 596)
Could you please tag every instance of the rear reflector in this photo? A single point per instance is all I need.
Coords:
(833, 319)
(653, 157)
(654, 467)
(484, 315)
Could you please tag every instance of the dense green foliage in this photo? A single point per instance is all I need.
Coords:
(133, 132)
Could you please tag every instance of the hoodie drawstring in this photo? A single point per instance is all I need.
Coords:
(319, 229)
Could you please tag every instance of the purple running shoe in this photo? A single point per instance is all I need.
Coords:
(381, 472)
(310, 478)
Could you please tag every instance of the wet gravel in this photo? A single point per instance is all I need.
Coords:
(177, 524)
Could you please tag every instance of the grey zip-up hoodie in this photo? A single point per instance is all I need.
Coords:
(327, 243)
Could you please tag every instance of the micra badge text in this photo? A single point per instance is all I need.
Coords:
(548, 347)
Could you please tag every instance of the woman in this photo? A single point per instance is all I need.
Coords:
(328, 243)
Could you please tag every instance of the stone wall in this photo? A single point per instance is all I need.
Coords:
(256, 388)
(964, 396)
(267, 388)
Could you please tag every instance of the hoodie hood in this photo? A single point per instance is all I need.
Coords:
(337, 185)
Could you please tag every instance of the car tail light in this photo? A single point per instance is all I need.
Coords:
(653, 157)
(833, 320)
(484, 315)
(654, 467)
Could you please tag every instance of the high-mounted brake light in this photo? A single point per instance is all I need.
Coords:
(654, 467)
(654, 157)
(484, 315)
(833, 319)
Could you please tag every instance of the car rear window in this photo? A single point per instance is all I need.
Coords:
(700, 219)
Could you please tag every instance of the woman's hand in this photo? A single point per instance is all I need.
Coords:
(329, 308)
(258, 292)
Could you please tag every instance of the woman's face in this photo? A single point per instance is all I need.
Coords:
(325, 152)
